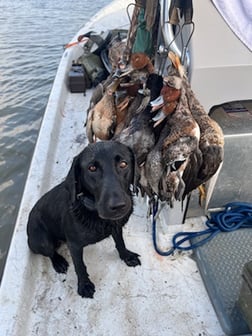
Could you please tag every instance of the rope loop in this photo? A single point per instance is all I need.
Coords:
(234, 216)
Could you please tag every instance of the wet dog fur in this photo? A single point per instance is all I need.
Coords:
(93, 202)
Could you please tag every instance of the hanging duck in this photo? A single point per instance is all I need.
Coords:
(177, 148)
(169, 97)
(152, 170)
(132, 83)
(101, 119)
(211, 142)
(139, 134)
(167, 161)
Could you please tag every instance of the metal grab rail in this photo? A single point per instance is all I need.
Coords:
(174, 41)
(167, 28)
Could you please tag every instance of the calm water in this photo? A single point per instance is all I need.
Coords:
(32, 35)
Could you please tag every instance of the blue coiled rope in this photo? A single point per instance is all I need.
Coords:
(235, 215)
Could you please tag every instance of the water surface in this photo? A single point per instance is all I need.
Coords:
(32, 35)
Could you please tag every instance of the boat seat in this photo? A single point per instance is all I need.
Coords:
(234, 180)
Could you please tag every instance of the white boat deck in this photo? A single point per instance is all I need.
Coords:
(164, 296)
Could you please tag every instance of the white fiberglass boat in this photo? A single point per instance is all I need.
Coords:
(166, 294)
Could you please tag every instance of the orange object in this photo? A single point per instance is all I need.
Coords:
(83, 39)
(170, 94)
(169, 107)
(140, 61)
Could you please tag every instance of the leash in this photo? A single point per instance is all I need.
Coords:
(231, 217)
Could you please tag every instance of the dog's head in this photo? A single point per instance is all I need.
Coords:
(101, 177)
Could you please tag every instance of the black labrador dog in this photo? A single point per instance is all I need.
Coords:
(92, 203)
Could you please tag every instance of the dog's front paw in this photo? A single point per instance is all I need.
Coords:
(59, 263)
(131, 258)
(86, 289)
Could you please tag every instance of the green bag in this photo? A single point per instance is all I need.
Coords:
(93, 67)
(143, 41)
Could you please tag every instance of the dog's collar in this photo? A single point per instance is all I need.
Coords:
(87, 201)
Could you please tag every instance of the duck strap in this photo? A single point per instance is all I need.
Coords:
(143, 40)
(140, 34)
(151, 9)
(185, 7)
(131, 35)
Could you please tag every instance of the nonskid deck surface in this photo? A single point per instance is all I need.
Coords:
(143, 300)
(163, 296)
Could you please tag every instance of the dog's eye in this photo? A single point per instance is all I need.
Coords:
(92, 168)
(123, 164)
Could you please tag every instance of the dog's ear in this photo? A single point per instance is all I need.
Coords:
(73, 179)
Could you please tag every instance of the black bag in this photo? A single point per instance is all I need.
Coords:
(78, 79)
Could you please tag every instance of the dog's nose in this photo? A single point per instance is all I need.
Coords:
(114, 205)
(117, 206)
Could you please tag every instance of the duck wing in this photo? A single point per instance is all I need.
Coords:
(138, 135)
(154, 167)
(211, 136)
(101, 120)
